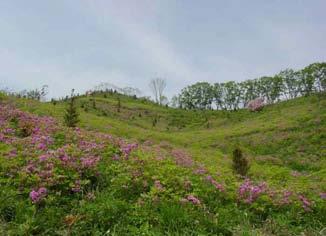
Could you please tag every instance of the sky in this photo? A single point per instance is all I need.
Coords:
(81, 43)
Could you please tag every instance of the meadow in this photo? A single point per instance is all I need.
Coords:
(132, 167)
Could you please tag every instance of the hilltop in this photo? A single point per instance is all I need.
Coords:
(169, 149)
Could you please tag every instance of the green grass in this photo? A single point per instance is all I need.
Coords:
(286, 137)
(285, 144)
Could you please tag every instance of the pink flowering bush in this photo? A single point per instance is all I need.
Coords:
(37, 195)
(256, 104)
(248, 192)
(182, 158)
(41, 159)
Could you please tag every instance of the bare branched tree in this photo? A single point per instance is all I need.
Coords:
(158, 86)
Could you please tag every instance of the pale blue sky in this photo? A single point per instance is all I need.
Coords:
(80, 43)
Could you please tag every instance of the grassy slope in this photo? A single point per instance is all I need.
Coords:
(283, 138)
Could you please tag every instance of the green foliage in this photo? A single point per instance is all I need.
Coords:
(288, 84)
(197, 96)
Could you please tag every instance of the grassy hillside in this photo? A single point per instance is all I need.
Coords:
(285, 144)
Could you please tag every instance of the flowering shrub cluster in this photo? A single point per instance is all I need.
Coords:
(248, 192)
(37, 196)
(256, 104)
(44, 165)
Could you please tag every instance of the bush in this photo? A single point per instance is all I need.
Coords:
(240, 163)
(71, 117)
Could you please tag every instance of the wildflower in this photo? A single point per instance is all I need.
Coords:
(193, 199)
(285, 198)
(44, 157)
(12, 153)
(322, 195)
(37, 196)
(249, 192)
(158, 185)
(306, 204)
(126, 149)
(182, 158)
(89, 162)
(201, 170)
(215, 183)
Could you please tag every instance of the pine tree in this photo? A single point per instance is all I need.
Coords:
(119, 104)
(71, 117)
(240, 163)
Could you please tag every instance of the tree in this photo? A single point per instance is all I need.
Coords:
(118, 105)
(197, 96)
(44, 92)
(232, 95)
(218, 96)
(277, 88)
(175, 102)
(71, 117)
(318, 72)
(240, 163)
(158, 85)
(290, 83)
(307, 81)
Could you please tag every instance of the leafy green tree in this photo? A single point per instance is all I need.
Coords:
(276, 88)
(218, 96)
(318, 72)
(232, 95)
(307, 80)
(248, 91)
(197, 96)
(290, 83)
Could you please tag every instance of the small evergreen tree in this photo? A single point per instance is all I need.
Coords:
(240, 163)
(71, 117)
(53, 101)
(154, 121)
(119, 104)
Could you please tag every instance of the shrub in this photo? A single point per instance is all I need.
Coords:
(256, 104)
(154, 121)
(53, 101)
(71, 117)
(118, 105)
(240, 163)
